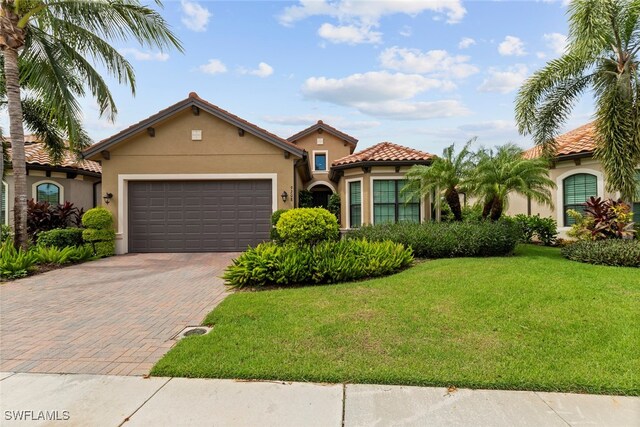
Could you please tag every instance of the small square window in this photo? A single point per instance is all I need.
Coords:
(320, 162)
(196, 135)
(320, 141)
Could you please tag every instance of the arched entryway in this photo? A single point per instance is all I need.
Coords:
(320, 194)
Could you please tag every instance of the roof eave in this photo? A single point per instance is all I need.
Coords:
(158, 117)
(369, 163)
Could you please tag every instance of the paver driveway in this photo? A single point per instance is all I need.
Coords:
(113, 316)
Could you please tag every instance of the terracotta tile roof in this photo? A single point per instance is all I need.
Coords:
(578, 141)
(193, 99)
(325, 127)
(385, 152)
(36, 154)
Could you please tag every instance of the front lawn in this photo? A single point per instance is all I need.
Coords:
(534, 321)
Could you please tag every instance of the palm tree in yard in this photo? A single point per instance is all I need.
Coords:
(602, 55)
(505, 171)
(49, 47)
(446, 174)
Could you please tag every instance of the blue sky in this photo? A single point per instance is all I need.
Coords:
(419, 73)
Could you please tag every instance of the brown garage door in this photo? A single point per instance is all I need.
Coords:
(198, 216)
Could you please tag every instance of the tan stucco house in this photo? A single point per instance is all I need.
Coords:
(194, 177)
(577, 175)
(70, 180)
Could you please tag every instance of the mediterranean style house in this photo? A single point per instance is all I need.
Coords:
(194, 177)
(71, 180)
(578, 176)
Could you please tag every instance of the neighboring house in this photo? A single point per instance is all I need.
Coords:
(72, 180)
(194, 177)
(578, 176)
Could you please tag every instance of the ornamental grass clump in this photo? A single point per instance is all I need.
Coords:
(327, 262)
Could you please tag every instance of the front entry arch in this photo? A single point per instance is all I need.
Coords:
(320, 194)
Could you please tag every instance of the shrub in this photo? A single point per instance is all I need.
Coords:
(472, 213)
(603, 219)
(99, 233)
(15, 263)
(5, 233)
(305, 199)
(61, 237)
(304, 226)
(334, 205)
(615, 252)
(99, 218)
(275, 217)
(81, 253)
(53, 255)
(446, 240)
(326, 262)
(544, 229)
(42, 216)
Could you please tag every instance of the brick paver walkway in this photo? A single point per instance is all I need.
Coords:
(114, 316)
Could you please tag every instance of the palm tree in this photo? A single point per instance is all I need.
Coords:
(505, 171)
(445, 175)
(602, 56)
(47, 43)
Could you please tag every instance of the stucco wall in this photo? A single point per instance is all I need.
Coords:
(376, 172)
(78, 191)
(171, 152)
(562, 170)
(335, 149)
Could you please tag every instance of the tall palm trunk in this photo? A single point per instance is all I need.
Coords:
(11, 40)
(497, 208)
(453, 200)
(18, 162)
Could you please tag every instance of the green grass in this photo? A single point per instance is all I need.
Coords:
(534, 321)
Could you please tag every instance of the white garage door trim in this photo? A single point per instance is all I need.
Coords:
(122, 236)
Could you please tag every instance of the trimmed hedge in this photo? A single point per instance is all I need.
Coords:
(614, 252)
(61, 237)
(447, 239)
(99, 218)
(307, 226)
(326, 262)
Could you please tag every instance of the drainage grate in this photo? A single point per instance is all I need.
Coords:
(191, 331)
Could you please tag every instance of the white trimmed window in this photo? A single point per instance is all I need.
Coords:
(355, 204)
(390, 205)
(320, 161)
(577, 189)
(47, 191)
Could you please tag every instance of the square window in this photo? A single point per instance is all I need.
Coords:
(320, 162)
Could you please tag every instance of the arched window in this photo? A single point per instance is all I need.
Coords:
(48, 192)
(4, 204)
(577, 190)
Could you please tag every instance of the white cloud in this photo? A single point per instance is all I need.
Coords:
(140, 55)
(374, 86)
(438, 63)
(370, 11)
(214, 66)
(194, 16)
(386, 95)
(308, 120)
(504, 81)
(263, 70)
(541, 55)
(489, 126)
(406, 31)
(466, 42)
(349, 34)
(512, 46)
(556, 42)
(402, 110)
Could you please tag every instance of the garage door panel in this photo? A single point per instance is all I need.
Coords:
(196, 216)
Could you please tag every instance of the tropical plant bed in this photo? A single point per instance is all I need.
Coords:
(533, 321)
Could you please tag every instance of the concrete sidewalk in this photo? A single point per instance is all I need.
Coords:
(82, 400)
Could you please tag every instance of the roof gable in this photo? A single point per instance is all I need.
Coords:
(190, 102)
(320, 125)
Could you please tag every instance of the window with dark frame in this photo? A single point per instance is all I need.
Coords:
(577, 189)
(636, 201)
(48, 192)
(320, 161)
(355, 204)
(390, 205)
